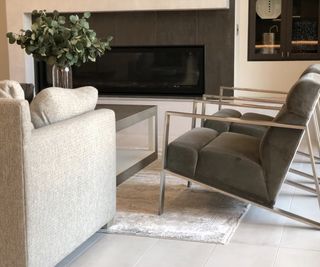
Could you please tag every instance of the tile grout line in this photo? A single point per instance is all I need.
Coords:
(82, 252)
(210, 254)
(276, 257)
(282, 232)
(145, 252)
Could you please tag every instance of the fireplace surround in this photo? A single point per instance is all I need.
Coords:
(211, 29)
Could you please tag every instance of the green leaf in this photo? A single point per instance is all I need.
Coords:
(55, 13)
(52, 60)
(32, 48)
(86, 15)
(34, 27)
(69, 56)
(93, 59)
(61, 20)
(54, 23)
(86, 25)
(74, 19)
(10, 35)
(12, 40)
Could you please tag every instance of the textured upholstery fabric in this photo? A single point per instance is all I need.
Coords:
(15, 132)
(221, 126)
(278, 146)
(232, 162)
(252, 130)
(75, 188)
(314, 68)
(57, 184)
(11, 89)
(183, 152)
(56, 104)
(256, 131)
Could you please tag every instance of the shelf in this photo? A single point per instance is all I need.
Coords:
(295, 43)
(304, 42)
(268, 46)
(129, 157)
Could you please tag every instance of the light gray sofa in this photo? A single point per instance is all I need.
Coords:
(57, 183)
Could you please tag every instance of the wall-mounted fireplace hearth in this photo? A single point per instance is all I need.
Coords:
(143, 70)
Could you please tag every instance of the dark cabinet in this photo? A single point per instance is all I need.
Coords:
(284, 30)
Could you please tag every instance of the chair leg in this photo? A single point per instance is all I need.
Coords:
(162, 191)
(313, 164)
(317, 132)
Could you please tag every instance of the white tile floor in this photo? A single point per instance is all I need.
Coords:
(262, 240)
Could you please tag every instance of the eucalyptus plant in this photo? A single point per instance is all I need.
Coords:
(61, 41)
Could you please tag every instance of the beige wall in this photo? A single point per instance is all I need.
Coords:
(4, 65)
(273, 75)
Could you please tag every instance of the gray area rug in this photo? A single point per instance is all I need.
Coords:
(192, 214)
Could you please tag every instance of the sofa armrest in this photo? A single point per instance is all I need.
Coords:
(15, 132)
(70, 184)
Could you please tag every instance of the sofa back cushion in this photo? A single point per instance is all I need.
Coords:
(55, 104)
(279, 145)
(11, 90)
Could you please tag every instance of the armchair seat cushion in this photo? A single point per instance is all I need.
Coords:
(231, 162)
(183, 152)
(252, 130)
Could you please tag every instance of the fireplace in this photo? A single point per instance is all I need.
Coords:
(140, 70)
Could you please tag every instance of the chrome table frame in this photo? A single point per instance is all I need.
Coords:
(129, 115)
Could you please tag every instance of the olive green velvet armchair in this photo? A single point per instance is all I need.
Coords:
(257, 166)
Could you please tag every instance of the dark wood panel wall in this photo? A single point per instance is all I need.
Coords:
(212, 28)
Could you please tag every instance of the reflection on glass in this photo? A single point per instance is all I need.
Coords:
(305, 26)
(268, 26)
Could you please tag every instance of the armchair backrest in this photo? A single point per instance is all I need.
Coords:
(279, 145)
(314, 68)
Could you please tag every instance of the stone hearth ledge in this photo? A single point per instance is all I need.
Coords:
(18, 17)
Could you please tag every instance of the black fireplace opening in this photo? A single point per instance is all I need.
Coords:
(139, 70)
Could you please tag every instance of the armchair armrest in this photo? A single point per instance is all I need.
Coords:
(222, 88)
(221, 97)
(235, 120)
(244, 98)
(233, 104)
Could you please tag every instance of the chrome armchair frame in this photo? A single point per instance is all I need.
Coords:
(194, 116)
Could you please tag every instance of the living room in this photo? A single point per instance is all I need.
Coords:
(114, 196)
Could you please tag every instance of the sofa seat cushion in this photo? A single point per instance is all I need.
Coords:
(221, 126)
(253, 130)
(183, 152)
(55, 104)
(231, 162)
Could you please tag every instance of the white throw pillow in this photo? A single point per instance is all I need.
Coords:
(57, 104)
(11, 89)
